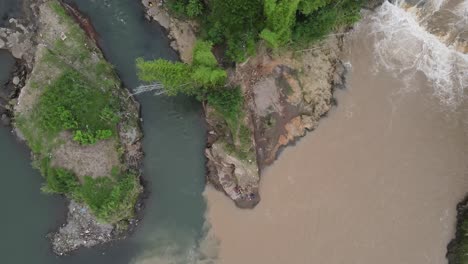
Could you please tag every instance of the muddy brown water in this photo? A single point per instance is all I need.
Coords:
(377, 182)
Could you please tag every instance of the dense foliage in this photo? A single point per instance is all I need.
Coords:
(110, 199)
(71, 103)
(197, 79)
(280, 17)
(228, 102)
(321, 21)
(239, 24)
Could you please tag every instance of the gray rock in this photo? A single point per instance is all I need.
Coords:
(16, 80)
(82, 229)
(2, 44)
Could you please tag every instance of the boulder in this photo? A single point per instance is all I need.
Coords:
(16, 80)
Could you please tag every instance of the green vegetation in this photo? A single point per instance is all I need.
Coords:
(110, 198)
(458, 247)
(90, 120)
(204, 80)
(236, 26)
(198, 79)
(239, 24)
(73, 89)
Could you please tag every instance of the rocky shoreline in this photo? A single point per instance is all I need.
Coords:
(285, 95)
(26, 44)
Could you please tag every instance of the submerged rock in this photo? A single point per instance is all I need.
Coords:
(5, 120)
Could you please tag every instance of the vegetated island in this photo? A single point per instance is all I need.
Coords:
(81, 125)
(265, 71)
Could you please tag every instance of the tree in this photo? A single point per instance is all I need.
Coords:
(280, 18)
(237, 23)
(180, 78)
(321, 21)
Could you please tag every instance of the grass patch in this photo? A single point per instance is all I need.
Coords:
(93, 118)
(111, 199)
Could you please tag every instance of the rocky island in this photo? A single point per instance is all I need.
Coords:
(69, 106)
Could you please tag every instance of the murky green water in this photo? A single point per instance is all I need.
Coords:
(173, 165)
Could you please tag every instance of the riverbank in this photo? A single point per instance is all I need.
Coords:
(284, 96)
(80, 152)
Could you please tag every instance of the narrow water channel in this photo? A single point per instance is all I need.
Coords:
(174, 131)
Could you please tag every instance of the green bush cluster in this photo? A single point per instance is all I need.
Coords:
(458, 247)
(228, 102)
(197, 79)
(71, 103)
(305, 21)
(110, 199)
(239, 24)
(186, 8)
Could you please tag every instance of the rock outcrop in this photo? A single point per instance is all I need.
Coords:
(284, 97)
(180, 32)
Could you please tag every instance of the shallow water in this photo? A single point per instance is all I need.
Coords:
(173, 165)
(9, 9)
(377, 182)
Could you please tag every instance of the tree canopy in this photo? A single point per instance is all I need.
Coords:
(239, 24)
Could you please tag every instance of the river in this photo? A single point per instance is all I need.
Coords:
(378, 181)
(174, 163)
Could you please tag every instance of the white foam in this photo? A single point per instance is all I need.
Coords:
(405, 48)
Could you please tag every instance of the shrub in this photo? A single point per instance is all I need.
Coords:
(318, 23)
(237, 22)
(194, 8)
(280, 18)
(110, 199)
(60, 181)
(228, 102)
(188, 8)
